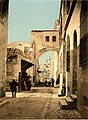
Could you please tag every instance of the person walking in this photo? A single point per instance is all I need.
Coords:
(13, 88)
(52, 82)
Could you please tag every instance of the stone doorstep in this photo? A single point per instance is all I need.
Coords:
(73, 97)
(69, 100)
(63, 104)
(67, 103)
(70, 103)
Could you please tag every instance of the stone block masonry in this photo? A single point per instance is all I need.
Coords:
(3, 43)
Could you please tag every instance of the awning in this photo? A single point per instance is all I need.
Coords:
(25, 64)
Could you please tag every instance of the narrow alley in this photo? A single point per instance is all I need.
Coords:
(39, 103)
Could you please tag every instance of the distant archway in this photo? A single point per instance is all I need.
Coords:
(39, 54)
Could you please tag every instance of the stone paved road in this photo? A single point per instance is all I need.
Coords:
(40, 103)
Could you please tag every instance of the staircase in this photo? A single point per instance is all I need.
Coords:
(69, 102)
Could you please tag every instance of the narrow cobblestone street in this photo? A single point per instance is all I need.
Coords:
(39, 103)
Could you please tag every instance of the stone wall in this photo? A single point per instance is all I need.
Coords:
(77, 80)
(83, 61)
(77, 76)
(73, 26)
(3, 44)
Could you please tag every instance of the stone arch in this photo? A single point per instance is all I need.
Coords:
(40, 52)
(74, 82)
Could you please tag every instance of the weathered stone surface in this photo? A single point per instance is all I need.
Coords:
(3, 43)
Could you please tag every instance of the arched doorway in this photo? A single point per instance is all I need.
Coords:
(74, 82)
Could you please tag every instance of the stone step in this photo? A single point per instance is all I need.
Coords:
(69, 100)
(73, 97)
(63, 104)
(71, 104)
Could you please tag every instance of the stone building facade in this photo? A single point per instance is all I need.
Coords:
(3, 43)
(19, 60)
(74, 45)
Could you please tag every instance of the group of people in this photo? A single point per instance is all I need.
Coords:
(46, 83)
(49, 83)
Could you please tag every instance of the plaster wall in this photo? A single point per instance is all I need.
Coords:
(74, 24)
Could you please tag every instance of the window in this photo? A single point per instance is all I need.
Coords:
(26, 49)
(46, 38)
(53, 38)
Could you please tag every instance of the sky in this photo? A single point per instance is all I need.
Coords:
(28, 15)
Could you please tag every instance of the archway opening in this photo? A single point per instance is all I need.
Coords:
(47, 69)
